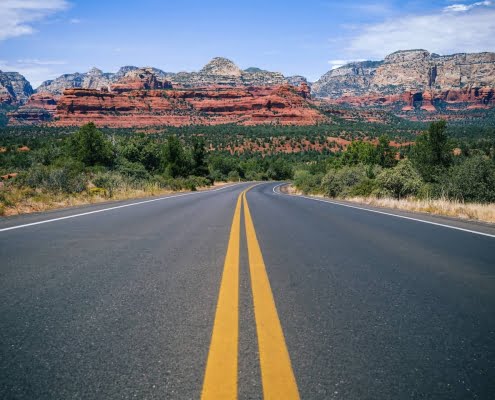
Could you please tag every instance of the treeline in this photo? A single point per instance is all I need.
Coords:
(432, 168)
(91, 161)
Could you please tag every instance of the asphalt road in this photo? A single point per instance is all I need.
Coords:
(151, 301)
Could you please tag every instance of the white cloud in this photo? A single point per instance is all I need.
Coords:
(17, 16)
(35, 61)
(466, 7)
(75, 21)
(472, 30)
(35, 71)
(339, 63)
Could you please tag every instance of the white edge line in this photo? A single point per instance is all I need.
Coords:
(380, 212)
(112, 208)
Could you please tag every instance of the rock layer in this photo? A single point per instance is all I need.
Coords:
(409, 71)
(40, 108)
(281, 104)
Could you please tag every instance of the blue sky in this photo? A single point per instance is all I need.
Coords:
(45, 38)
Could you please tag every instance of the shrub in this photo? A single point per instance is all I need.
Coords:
(55, 179)
(471, 180)
(233, 176)
(342, 182)
(307, 182)
(110, 181)
(400, 181)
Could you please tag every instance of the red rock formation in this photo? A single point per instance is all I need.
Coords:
(428, 100)
(40, 108)
(125, 106)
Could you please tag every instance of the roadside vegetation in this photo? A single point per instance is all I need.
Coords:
(433, 176)
(46, 167)
(40, 172)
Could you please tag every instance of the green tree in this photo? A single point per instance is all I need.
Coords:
(199, 166)
(385, 154)
(174, 159)
(432, 152)
(90, 146)
(359, 152)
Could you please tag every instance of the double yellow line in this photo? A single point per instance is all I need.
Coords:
(220, 381)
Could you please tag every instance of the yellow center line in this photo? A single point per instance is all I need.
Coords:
(276, 369)
(220, 381)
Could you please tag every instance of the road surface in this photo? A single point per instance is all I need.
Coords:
(228, 293)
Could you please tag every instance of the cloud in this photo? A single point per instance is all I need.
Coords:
(471, 30)
(339, 63)
(466, 7)
(35, 71)
(17, 16)
(35, 61)
(75, 21)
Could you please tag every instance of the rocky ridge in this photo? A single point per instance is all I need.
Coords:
(219, 71)
(14, 88)
(93, 79)
(409, 71)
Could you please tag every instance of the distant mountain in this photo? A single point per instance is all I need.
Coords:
(93, 79)
(409, 71)
(219, 71)
(14, 88)
(222, 71)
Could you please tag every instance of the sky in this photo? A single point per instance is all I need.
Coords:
(44, 38)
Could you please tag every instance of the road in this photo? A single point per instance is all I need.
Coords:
(251, 294)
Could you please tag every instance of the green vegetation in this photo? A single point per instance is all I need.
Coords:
(430, 170)
(91, 163)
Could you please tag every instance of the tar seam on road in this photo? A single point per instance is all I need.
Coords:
(382, 212)
(220, 379)
(277, 375)
(109, 209)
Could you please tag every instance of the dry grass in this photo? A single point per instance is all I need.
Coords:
(24, 201)
(469, 211)
(457, 209)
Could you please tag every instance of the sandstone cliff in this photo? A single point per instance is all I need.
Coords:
(141, 98)
(409, 71)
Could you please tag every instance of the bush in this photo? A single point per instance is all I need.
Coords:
(345, 181)
(400, 181)
(62, 179)
(471, 180)
(110, 181)
(233, 176)
(307, 182)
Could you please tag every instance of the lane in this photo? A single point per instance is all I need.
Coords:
(378, 307)
(276, 370)
(113, 305)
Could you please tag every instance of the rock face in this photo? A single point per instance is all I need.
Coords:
(219, 71)
(40, 108)
(141, 99)
(93, 79)
(409, 71)
(14, 88)
(222, 71)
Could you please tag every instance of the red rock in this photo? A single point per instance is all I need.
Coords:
(40, 108)
(127, 107)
